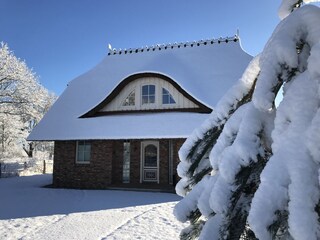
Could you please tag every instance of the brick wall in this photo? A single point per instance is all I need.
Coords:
(105, 167)
(69, 174)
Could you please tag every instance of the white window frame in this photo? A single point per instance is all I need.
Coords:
(77, 152)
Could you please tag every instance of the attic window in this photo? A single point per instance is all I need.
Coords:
(130, 99)
(167, 97)
(148, 94)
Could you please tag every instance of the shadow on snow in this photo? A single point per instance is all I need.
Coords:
(22, 197)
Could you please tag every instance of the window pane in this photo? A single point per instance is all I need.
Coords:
(80, 148)
(144, 99)
(152, 99)
(87, 148)
(87, 156)
(171, 100)
(145, 90)
(80, 157)
(150, 156)
(152, 89)
(165, 99)
(165, 91)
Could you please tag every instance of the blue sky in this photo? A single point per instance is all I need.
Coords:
(61, 39)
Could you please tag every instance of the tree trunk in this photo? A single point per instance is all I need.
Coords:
(29, 151)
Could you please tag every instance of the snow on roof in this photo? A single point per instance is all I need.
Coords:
(204, 69)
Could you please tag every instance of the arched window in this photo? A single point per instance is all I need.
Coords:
(150, 156)
(148, 94)
(167, 97)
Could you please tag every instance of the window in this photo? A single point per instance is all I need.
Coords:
(130, 99)
(83, 152)
(126, 162)
(167, 97)
(148, 94)
(150, 156)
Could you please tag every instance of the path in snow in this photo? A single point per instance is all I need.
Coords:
(28, 211)
(157, 223)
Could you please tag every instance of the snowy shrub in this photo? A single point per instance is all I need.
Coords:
(251, 171)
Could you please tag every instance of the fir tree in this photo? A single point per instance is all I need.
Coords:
(245, 172)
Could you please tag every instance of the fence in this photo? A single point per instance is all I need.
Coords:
(23, 167)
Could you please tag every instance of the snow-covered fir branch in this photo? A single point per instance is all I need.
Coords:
(264, 160)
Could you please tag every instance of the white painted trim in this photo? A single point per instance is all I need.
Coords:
(142, 168)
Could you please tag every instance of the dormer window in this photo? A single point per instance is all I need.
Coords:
(167, 97)
(130, 99)
(152, 92)
(148, 94)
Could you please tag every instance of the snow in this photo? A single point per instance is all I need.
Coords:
(29, 211)
(281, 50)
(205, 72)
(286, 7)
(296, 187)
(294, 116)
(289, 134)
(129, 126)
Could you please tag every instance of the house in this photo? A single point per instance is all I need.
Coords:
(122, 123)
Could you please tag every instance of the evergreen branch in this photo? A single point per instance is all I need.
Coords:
(279, 228)
(248, 234)
(194, 216)
(194, 229)
(197, 177)
(192, 232)
(204, 145)
(247, 180)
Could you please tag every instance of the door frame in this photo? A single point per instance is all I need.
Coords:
(143, 169)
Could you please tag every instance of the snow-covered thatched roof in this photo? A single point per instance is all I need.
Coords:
(204, 69)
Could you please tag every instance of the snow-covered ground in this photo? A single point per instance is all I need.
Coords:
(29, 211)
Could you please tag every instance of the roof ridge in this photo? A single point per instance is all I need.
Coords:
(114, 51)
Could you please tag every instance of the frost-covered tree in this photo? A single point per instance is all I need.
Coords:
(23, 101)
(251, 171)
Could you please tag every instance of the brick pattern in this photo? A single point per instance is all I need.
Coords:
(105, 167)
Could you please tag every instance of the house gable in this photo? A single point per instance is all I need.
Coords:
(147, 92)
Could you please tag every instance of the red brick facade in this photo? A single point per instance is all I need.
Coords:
(106, 164)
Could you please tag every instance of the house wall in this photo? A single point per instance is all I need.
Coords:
(69, 174)
(105, 167)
